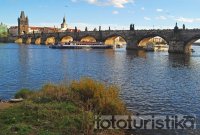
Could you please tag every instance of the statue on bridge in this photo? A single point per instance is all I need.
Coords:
(99, 28)
(176, 29)
(75, 30)
(132, 27)
(95, 29)
(183, 26)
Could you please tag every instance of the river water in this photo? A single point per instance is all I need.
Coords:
(151, 83)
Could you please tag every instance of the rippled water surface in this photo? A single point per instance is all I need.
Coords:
(158, 83)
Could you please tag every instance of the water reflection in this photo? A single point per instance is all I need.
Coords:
(179, 60)
(136, 53)
(23, 60)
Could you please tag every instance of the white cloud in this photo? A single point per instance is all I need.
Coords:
(115, 12)
(139, 27)
(187, 20)
(131, 12)
(159, 10)
(147, 18)
(142, 8)
(161, 18)
(90, 26)
(43, 6)
(115, 3)
(92, 1)
(46, 24)
(171, 16)
(82, 25)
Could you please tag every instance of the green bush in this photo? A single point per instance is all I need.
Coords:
(23, 93)
(97, 96)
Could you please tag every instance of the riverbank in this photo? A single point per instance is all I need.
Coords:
(5, 105)
(8, 39)
(4, 40)
(61, 109)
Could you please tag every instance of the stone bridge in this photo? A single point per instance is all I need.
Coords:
(179, 40)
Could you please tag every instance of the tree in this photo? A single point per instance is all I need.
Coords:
(3, 30)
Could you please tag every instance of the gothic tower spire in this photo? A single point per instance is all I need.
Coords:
(22, 15)
(23, 24)
(64, 20)
(64, 24)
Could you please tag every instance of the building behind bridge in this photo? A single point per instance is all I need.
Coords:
(24, 27)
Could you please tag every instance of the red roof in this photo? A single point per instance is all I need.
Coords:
(35, 28)
(13, 27)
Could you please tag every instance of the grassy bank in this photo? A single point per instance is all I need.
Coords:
(62, 109)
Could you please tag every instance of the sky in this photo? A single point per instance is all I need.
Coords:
(118, 14)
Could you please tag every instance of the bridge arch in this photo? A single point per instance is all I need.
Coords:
(188, 44)
(145, 38)
(50, 40)
(28, 40)
(151, 39)
(66, 39)
(115, 40)
(88, 38)
(38, 40)
(19, 40)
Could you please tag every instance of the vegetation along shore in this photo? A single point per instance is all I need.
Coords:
(64, 109)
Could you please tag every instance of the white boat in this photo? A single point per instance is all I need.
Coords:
(153, 47)
(16, 100)
(81, 45)
(161, 47)
(149, 47)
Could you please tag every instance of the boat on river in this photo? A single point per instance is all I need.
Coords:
(192, 50)
(161, 48)
(16, 100)
(149, 47)
(81, 45)
(157, 48)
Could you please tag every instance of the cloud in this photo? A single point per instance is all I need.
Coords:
(147, 18)
(115, 3)
(82, 25)
(142, 8)
(46, 24)
(159, 10)
(161, 18)
(115, 12)
(171, 16)
(187, 20)
(43, 6)
(131, 12)
(73, 0)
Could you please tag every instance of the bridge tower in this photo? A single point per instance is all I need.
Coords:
(64, 24)
(23, 24)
